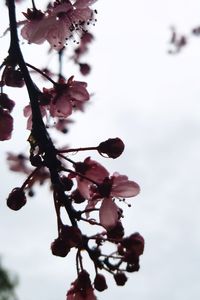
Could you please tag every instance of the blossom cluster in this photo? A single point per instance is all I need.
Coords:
(61, 22)
(88, 192)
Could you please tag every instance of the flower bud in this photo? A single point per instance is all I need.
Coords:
(16, 199)
(132, 268)
(6, 103)
(67, 183)
(84, 69)
(59, 248)
(36, 160)
(137, 243)
(116, 232)
(100, 283)
(134, 243)
(6, 125)
(120, 278)
(77, 197)
(31, 193)
(72, 236)
(112, 147)
(13, 77)
(83, 282)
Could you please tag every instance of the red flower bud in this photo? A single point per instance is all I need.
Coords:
(100, 283)
(59, 248)
(120, 278)
(134, 243)
(83, 282)
(77, 197)
(84, 69)
(6, 103)
(112, 147)
(36, 160)
(132, 267)
(6, 125)
(116, 232)
(71, 236)
(67, 183)
(16, 199)
(13, 77)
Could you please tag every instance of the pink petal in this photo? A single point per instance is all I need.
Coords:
(29, 123)
(91, 204)
(62, 108)
(64, 7)
(57, 34)
(83, 3)
(27, 111)
(122, 187)
(78, 92)
(108, 213)
(96, 171)
(84, 187)
(126, 189)
(34, 32)
(80, 15)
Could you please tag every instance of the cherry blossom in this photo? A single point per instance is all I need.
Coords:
(58, 23)
(67, 96)
(103, 188)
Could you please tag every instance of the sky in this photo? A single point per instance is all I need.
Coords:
(151, 100)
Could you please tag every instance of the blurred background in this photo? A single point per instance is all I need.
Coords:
(151, 100)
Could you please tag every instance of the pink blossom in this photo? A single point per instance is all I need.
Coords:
(6, 125)
(115, 186)
(65, 97)
(57, 24)
(96, 185)
(61, 107)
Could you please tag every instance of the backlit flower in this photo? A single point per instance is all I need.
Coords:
(67, 96)
(58, 23)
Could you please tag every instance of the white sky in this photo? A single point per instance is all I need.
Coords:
(152, 101)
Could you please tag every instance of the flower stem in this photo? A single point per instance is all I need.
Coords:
(42, 73)
(77, 149)
(39, 131)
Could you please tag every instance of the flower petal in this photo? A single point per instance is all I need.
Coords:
(83, 3)
(122, 187)
(62, 108)
(108, 213)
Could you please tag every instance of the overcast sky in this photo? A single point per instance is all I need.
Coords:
(152, 101)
